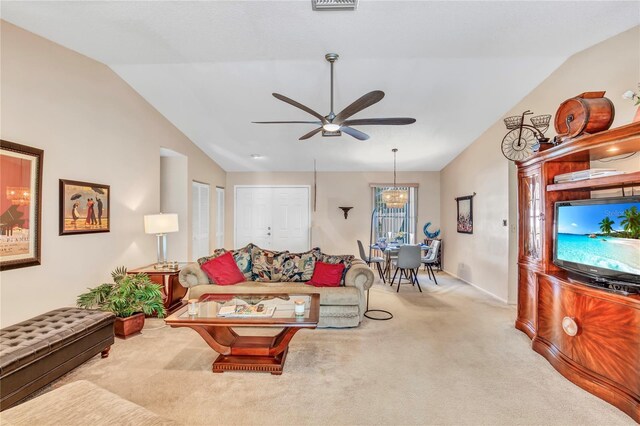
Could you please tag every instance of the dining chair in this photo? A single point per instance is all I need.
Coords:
(369, 260)
(408, 264)
(427, 248)
(432, 258)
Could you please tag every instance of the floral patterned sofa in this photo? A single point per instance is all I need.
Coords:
(269, 271)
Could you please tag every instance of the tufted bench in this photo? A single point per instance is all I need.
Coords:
(35, 352)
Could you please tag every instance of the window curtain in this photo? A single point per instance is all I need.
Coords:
(395, 224)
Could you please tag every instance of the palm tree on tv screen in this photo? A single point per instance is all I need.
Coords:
(631, 222)
(606, 225)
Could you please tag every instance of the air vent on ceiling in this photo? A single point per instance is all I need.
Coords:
(334, 4)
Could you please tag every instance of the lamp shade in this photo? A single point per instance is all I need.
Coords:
(160, 223)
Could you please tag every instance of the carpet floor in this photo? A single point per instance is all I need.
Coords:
(450, 355)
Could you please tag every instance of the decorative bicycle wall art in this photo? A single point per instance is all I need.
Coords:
(523, 140)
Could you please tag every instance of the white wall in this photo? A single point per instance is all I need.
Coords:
(92, 127)
(480, 258)
(329, 229)
(483, 258)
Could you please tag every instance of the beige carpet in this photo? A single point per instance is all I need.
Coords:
(450, 356)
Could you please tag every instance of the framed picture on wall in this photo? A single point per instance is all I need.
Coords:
(84, 207)
(20, 205)
(465, 214)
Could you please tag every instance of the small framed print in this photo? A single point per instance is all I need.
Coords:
(465, 214)
(20, 205)
(84, 207)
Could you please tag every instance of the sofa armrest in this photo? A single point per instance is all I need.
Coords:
(359, 275)
(191, 276)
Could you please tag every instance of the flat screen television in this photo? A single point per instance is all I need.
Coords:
(599, 238)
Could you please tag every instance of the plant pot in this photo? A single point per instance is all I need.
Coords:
(129, 326)
(637, 117)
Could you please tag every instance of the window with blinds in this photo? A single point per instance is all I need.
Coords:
(395, 224)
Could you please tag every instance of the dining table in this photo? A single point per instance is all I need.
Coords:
(390, 251)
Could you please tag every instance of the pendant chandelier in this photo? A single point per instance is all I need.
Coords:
(395, 198)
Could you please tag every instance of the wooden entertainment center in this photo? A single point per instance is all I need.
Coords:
(590, 335)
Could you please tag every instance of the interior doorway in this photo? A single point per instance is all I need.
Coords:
(200, 198)
(174, 192)
(273, 217)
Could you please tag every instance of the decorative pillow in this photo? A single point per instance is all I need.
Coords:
(345, 259)
(298, 267)
(223, 270)
(267, 264)
(216, 253)
(341, 259)
(327, 275)
(278, 266)
(242, 257)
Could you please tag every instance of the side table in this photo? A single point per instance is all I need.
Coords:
(172, 291)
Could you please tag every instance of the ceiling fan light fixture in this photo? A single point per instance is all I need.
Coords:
(334, 124)
(331, 127)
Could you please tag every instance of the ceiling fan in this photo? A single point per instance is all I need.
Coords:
(334, 124)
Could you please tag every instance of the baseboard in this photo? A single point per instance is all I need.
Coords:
(479, 288)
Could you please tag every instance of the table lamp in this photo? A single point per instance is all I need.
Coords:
(161, 224)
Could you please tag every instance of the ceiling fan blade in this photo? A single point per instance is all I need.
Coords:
(355, 133)
(299, 105)
(361, 103)
(286, 122)
(311, 133)
(396, 121)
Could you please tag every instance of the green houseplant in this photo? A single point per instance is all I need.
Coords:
(129, 297)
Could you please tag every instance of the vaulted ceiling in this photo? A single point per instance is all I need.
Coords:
(210, 68)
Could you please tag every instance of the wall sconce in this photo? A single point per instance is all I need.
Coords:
(346, 211)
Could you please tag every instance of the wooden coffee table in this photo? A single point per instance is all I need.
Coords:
(249, 353)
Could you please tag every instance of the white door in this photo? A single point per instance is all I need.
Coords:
(253, 217)
(290, 219)
(220, 217)
(200, 222)
(275, 218)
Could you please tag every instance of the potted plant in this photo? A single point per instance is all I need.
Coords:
(129, 297)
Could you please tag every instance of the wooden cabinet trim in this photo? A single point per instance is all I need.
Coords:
(592, 147)
(587, 380)
(632, 301)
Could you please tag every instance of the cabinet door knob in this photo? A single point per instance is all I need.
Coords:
(569, 326)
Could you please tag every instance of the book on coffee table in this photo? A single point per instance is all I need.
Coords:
(242, 311)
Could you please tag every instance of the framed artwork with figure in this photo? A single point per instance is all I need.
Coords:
(84, 207)
(465, 214)
(20, 205)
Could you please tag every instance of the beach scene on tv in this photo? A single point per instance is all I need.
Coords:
(601, 235)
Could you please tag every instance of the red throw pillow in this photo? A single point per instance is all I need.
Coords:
(326, 275)
(223, 270)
